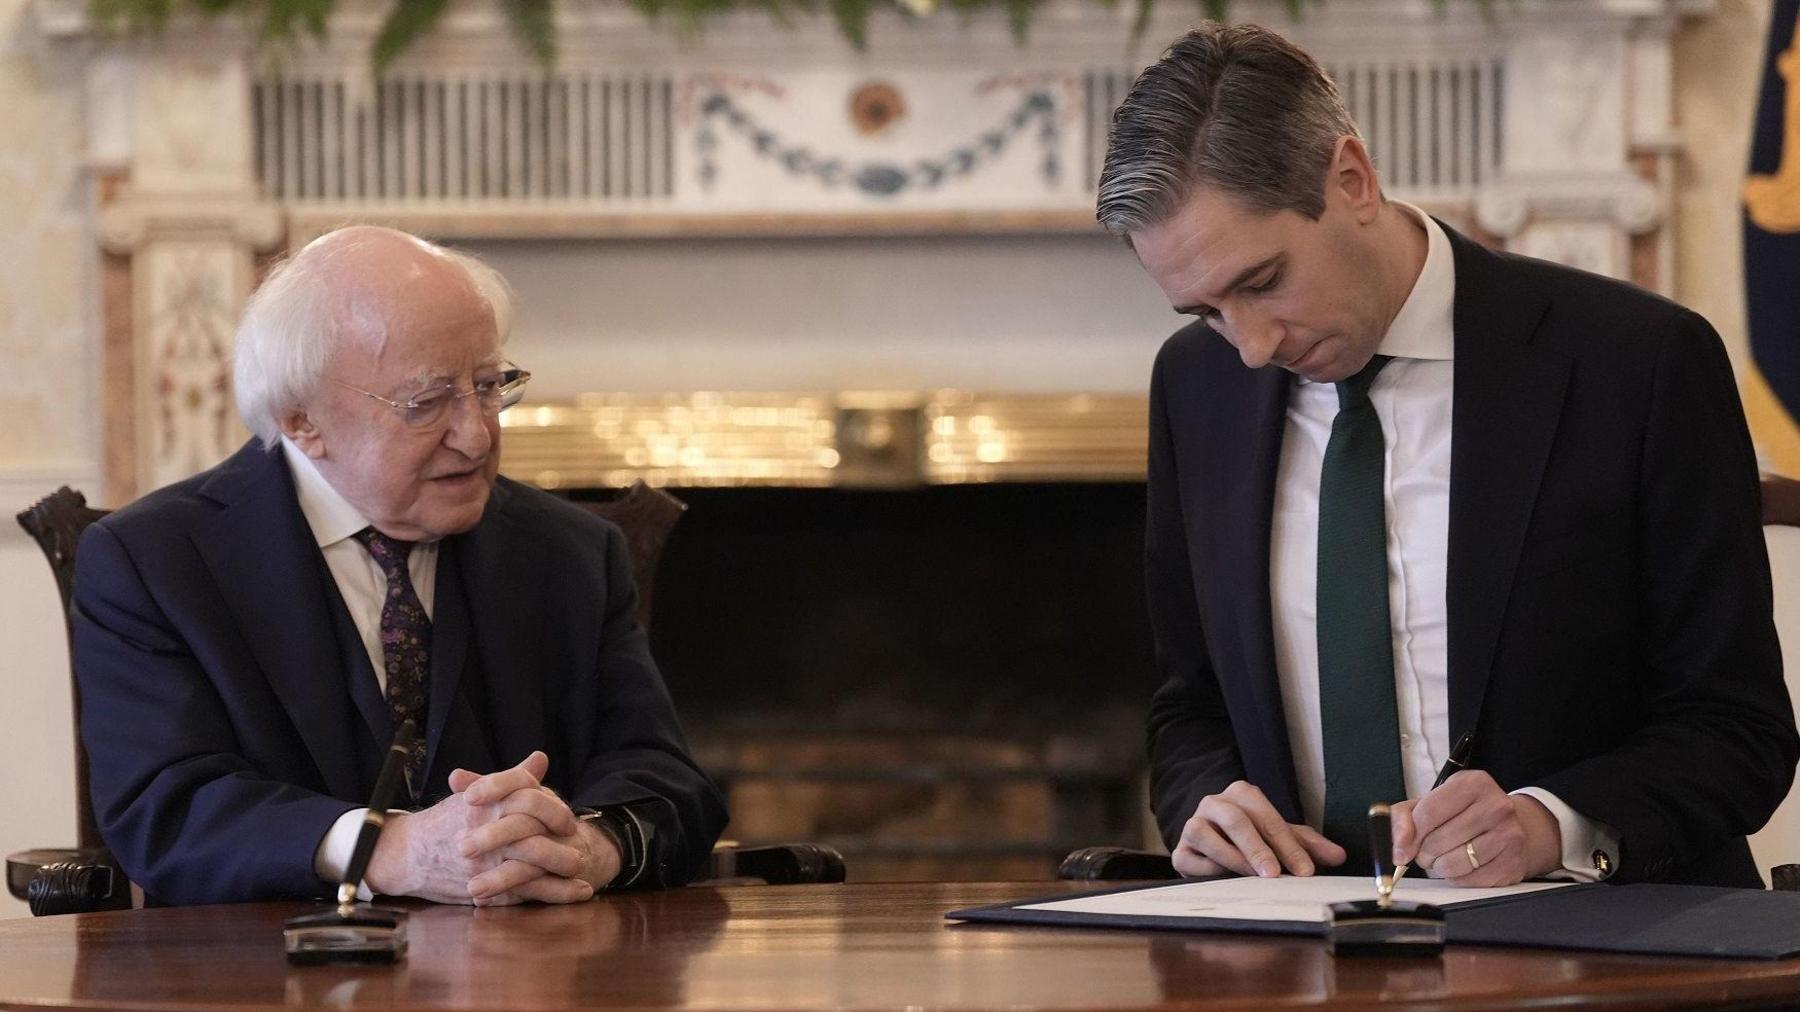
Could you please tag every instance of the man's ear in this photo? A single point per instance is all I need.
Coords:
(300, 429)
(1350, 180)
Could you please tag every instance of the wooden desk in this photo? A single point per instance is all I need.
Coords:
(854, 946)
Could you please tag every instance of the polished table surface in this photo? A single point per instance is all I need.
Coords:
(846, 946)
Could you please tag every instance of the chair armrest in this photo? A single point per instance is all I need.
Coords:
(1115, 864)
(67, 881)
(1785, 878)
(780, 864)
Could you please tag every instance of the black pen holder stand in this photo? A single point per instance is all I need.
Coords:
(1402, 928)
(347, 934)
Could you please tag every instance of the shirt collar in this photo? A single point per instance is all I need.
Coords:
(327, 512)
(1424, 326)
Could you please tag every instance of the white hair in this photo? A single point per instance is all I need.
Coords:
(291, 327)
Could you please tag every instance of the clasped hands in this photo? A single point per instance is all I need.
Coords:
(1513, 837)
(498, 839)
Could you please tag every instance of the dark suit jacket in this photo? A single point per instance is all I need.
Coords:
(1610, 628)
(231, 715)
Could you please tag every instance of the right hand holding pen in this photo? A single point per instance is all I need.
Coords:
(1238, 831)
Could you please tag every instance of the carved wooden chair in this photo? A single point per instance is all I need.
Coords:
(1115, 864)
(86, 878)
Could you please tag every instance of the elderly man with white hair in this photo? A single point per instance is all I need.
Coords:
(247, 640)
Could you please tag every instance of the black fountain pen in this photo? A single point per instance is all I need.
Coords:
(359, 933)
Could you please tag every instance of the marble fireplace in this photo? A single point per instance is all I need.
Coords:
(851, 305)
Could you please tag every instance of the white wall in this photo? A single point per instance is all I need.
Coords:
(37, 745)
(987, 313)
(48, 421)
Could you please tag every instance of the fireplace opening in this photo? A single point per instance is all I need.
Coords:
(944, 682)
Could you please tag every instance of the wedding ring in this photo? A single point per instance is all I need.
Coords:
(1469, 849)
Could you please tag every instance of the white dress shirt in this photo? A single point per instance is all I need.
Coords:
(1412, 397)
(363, 586)
(358, 576)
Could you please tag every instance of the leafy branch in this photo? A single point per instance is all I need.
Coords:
(533, 22)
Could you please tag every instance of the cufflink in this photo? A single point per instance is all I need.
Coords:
(1603, 864)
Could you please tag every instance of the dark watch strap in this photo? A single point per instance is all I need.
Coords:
(631, 833)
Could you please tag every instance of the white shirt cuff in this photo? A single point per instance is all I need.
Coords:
(333, 855)
(1590, 849)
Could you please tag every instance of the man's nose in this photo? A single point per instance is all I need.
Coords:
(1254, 335)
(467, 431)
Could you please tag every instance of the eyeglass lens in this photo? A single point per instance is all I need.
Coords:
(491, 395)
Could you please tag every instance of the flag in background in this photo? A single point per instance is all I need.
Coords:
(1772, 248)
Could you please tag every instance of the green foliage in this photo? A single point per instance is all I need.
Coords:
(533, 22)
(405, 23)
(281, 16)
(142, 14)
(534, 25)
(852, 17)
(1018, 18)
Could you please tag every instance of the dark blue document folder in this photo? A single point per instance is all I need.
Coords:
(1665, 919)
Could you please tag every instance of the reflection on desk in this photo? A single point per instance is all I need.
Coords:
(857, 946)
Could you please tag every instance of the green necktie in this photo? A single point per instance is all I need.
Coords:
(1360, 728)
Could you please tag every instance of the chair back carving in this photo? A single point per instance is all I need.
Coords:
(647, 516)
(55, 522)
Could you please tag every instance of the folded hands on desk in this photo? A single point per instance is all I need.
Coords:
(498, 839)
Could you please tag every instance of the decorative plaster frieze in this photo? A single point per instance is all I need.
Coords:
(188, 295)
(477, 33)
(241, 218)
(1587, 245)
(190, 114)
(1506, 207)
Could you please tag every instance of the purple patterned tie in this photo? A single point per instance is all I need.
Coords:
(405, 642)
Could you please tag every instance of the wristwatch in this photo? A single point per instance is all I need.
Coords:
(631, 833)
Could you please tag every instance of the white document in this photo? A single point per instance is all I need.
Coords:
(1288, 898)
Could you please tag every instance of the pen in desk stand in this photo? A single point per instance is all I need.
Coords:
(1384, 926)
(387, 788)
(357, 932)
(1381, 849)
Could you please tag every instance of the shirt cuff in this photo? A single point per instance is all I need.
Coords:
(333, 855)
(1590, 849)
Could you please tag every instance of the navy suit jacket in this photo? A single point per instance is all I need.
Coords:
(1611, 636)
(230, 713)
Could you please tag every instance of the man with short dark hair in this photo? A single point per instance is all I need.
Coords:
(248, 640)
(1481, 495)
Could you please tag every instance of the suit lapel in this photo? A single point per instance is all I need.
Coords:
(506, 626)
(449, 651)
(359, 674)
(267, 566)
(1235, 526)
(1508, 399)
